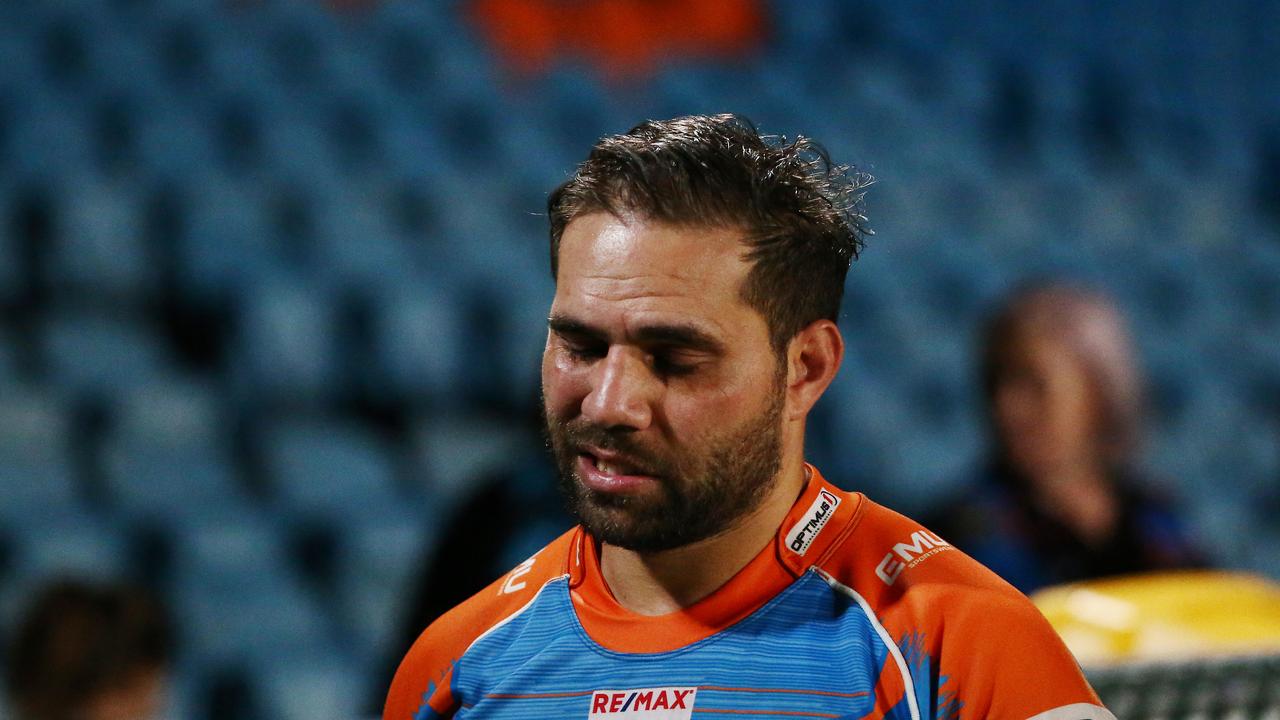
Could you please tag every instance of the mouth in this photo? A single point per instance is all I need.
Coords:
(610, 473)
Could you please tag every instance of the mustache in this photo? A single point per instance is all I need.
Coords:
(579, 436)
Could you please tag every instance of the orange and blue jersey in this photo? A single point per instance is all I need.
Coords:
(854, 612)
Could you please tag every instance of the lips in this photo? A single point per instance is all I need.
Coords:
(605, 472)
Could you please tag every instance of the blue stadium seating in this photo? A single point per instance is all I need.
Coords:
(419, 341)
(359, 198)
(173, 143)
(47, 138)
(225, 244)
(377, 560)
(10, 266)
(319, 688)
(412, 145)
(69, 543)
(521, 332)
(355, 246)
(16, 52)
(253, 621)
(454, 452)
(37, 472)
(101, 249)
(239, 598)
(53, 544)
(225, 549)
(286, 347)
(336, 470)
(170, 484)
(94, 355)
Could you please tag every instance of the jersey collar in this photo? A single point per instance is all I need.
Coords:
(821, 516)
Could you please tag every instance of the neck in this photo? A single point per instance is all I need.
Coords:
(664, 582)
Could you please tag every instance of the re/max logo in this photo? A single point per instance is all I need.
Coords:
(670, 703)
(924, 544)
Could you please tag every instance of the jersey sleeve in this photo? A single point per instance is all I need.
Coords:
(997, 657)
(965, 645)
(422, 688)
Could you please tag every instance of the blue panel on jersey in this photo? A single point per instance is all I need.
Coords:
(809, 650)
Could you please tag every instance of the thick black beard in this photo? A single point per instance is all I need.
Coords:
(701, 497)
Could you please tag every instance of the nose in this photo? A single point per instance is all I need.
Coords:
(621, 391)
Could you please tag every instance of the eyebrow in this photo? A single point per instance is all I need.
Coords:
(677, 335)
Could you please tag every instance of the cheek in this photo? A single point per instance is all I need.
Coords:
(563, 386)
(1067, 401)
(693, 414)
(1018, 407)
(1075, 417)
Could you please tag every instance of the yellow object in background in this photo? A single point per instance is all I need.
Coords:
(1165, 616)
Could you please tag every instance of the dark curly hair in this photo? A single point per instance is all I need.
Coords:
(801, 215)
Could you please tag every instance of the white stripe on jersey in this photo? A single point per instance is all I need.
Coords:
(1078, 711)
(907, 682)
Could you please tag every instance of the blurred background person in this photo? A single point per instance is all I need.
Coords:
(90, 652)
(1059, 497)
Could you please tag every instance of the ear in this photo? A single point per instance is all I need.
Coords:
(813, 357)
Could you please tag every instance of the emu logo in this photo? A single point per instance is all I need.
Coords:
(513, 582)
(924, 544)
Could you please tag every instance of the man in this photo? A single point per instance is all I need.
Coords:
(699, 270)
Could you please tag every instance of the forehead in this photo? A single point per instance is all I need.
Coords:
(1042, 351)
(643, 265)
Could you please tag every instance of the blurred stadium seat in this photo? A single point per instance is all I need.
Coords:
(11, 260)
(335, 471)
(239, 598)
(279, 274)
(47, 137)
(419, 342)
(381, 257)
(224, 243)
(51, 544)
(454, 452)
(70, 543)
(93, 354)
(376, 561)
(319, 688)
(37, 471)
(168, 459)
(101, 249)
(287, 350)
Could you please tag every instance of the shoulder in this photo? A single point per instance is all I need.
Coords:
(423, 675)
(904, 570)
(888, 557)
(508, 594)
(953, 620)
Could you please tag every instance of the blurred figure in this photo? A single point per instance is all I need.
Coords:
(1059, 498)
(90, 652)
(622, 38)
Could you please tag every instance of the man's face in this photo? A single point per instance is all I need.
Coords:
(662, 393)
